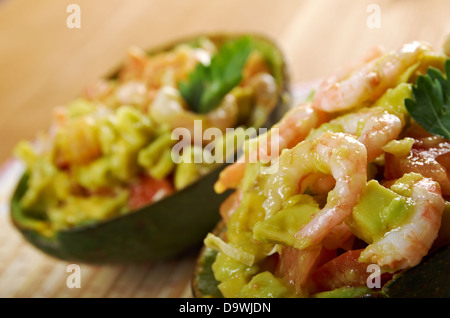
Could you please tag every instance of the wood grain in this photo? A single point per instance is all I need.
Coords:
(43, 64)
(26, 272)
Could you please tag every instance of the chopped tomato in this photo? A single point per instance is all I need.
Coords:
(295, 265)
(344, 271)
(429, 156)
(148, 190)
(341, 271)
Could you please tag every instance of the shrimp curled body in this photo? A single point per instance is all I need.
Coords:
(292, 129)
(405, 246)
(343, 91)
(374, 127)
(338, 154)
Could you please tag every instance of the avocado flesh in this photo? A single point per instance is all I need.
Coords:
(378, 211)
(281, 227)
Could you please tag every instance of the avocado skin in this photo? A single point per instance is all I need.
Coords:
(204, 284)
(157, 231)
(429, 279)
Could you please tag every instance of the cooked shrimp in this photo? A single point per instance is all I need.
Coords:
(292, 129)
(343, 91)
(143, 75)
(339, 237)
(404, 247)
(266, 92)
(375, 127)
(152, 69)
(256, 63)
(76, 142)
(338, 154)
(168, 108)
(133, 93)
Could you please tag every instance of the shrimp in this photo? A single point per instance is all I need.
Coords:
(343, 91)
(168, 108)
(152, 69)
(336, 153)
(266, 92)
(76, 142)
(292, 129)
(339, 237)
(404, 247)
(375, 126)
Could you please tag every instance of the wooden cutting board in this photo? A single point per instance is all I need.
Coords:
(27, 272)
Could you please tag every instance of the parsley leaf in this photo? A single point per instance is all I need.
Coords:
(431, 105)
(207, 85)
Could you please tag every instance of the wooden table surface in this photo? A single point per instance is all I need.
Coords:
(44, 63)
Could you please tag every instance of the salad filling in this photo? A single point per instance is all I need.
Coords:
(359, 187)
(110, 150)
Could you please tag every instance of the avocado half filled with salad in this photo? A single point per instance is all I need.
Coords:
(126, 172)
(356, 201)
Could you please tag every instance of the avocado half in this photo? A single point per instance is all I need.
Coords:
(170, 227)
(429, 279)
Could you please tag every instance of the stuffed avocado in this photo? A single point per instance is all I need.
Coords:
(355, 202)
(122, 173)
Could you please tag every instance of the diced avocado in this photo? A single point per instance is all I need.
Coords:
(393, 99)
(235, 252)
(80, 107)
(325, 127)
(399, 148)
(87, 210)
(232, 275)
(95, 175)
(250, 210)
(378, 211)
(281, 227)
(265, 285)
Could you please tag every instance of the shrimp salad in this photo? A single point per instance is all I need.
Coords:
(358, 183)
(108, 151)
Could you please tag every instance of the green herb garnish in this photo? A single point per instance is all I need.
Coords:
(431, 105)
(207, 85)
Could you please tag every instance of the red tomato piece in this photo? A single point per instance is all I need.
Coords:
(341, 271)
(148, 190)
(429, 156)
(295, 265)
